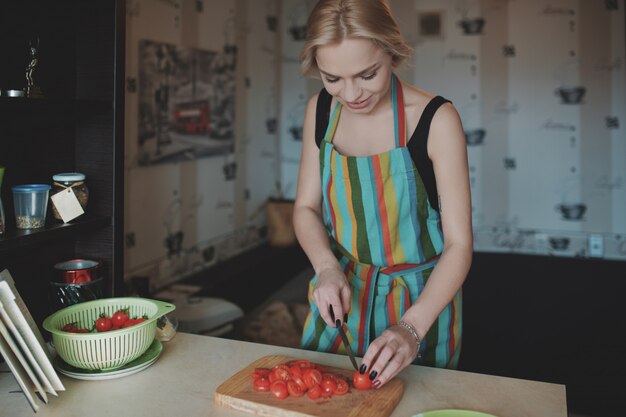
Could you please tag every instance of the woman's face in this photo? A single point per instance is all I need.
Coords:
(356, 72)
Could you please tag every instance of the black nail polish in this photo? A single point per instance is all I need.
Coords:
(338, 323)
(373, 375)
(345, 318)
(362, 368)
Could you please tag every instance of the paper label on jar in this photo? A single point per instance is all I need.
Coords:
(67, 205)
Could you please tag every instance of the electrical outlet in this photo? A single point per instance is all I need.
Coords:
(596, 246)
(541, 242)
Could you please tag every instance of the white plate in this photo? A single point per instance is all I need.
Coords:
(148, 358)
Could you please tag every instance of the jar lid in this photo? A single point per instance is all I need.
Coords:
(27, 188)
(69, 176)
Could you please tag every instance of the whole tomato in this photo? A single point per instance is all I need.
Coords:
(361, 381)
(119, 318)
(104, 324)
(70, 328)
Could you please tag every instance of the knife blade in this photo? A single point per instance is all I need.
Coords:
(346, 343)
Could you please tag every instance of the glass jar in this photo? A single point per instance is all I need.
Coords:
(75, 181)
(30, 202)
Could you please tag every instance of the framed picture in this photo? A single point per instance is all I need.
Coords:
(430, 24)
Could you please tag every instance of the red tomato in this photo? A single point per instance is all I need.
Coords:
(318, 367)
(103, 324)
(361, 381)
(279, 389)
(302, 363)
(81, 331)
(129, 323)
(294, 389)
(119, 318)
(281, 372)
(312, 377)
(260, 373)
(342, 387)
(295, 370)
(70, 328)
(328, 386)
(314, 392)
(261, 385)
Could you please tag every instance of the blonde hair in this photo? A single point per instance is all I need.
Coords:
(331, 21)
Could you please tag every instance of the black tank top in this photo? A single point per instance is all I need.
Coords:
(416, 145)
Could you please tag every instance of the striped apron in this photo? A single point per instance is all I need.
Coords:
(387, 239)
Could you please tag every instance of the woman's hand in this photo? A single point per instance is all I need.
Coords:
(388, 354)
(332, 291)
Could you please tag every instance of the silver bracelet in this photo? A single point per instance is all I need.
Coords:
(406, 326)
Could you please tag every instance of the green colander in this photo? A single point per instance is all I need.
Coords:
(106, 350)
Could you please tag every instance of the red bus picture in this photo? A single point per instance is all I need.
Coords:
(192, 117)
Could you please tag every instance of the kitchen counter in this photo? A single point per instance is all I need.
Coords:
(182, 382)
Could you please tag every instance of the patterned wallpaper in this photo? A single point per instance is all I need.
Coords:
(539, 85)
(540, 89)
(197, 175)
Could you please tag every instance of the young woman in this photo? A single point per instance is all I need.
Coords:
(383, 206)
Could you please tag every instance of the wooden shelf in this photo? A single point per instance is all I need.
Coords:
(15, 239)
(54, 105)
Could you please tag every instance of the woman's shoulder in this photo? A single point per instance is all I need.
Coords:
(416, 99)
(415, 102)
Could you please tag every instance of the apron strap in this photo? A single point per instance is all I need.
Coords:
(399, 117)
(332, 125)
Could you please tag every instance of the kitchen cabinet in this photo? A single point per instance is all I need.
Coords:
(76, 127)
(550, 319)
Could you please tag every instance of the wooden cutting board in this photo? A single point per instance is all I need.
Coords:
(237, 392)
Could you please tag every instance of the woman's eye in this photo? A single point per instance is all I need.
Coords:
(369, 77)
(331, 80)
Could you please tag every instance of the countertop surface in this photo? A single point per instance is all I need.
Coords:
(183, 379)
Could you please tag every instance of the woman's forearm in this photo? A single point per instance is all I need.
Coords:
(313, 238)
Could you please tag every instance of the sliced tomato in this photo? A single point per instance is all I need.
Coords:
(295, 370)
(279, 389)
(300, 382)
(328, 385)
(314, 392)
(261, 385)
(294, 389)
(260, 373)
(282, 372)
(318, 367)
(302, 363)
(342, 387)
(312, 377)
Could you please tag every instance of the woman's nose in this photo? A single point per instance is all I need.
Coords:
(351, 91)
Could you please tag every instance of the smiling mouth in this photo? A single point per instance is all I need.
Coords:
(358, 104)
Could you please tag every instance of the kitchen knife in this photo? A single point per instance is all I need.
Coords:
(346, 343)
